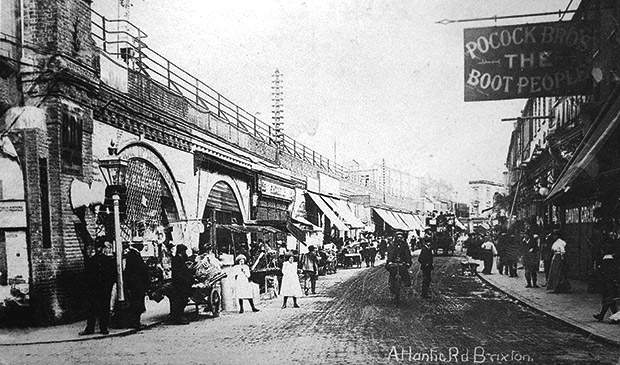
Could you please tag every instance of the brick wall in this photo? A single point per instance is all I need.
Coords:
(59, 31)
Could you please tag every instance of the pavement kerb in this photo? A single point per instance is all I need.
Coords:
(124, 332)
(581, 327)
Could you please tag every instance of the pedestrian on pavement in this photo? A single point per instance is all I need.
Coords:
(547, 255)
(513, 251)
(100, 275)
(558, 280)
(426, 264)
(290, 282)
(607, 278)
(309, 265)
(243, 287)
(489, 252)
(530, 259)
(182, 280)
(136, 278)
(398, 253)
(501, 246)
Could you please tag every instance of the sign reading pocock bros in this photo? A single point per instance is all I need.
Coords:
(526, 61)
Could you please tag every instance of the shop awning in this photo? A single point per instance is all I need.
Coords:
(411, 221)
(343, 211)
(305, 222)
(242, 228)
(390, 219)
(297, 231)
(459, 224)
(592, 143)
(318, 200)
(400, 219)
(421, 221)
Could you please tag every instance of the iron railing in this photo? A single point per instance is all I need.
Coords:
(124, 40)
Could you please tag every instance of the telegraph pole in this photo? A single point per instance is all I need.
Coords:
(277, 111)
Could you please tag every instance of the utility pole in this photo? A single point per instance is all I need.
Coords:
(277, 111)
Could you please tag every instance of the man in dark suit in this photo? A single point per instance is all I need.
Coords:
(100, 273)
(426, 264)
(136, 279)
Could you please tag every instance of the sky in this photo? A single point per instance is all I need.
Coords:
(363, 80)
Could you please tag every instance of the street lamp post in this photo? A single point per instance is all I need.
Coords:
(118, 248)
(113, 171)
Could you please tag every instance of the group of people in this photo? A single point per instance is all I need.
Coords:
(189, 272)
(101, 275)
(509, 249)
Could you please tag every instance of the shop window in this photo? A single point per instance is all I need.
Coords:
(71, 142)
(45, 205)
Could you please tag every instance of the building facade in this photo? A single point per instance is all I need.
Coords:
(86, 117)
(562, 157)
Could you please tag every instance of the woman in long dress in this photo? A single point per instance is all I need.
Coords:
(290, 282)
(558, 281)
(243, 288)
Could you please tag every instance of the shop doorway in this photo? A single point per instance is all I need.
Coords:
(222, 208)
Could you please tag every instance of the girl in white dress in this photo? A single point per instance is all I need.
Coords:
(241, 274)
(290, 282)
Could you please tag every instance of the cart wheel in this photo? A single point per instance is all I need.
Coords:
(216, 302)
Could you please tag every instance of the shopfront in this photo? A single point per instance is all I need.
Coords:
(585, 201)
(224, 189)
(335, 230)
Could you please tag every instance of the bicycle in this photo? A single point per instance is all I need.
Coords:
(396, 286)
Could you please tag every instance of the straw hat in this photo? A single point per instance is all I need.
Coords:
(239, 257)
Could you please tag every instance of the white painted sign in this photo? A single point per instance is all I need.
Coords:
(13, 214)
(276, 190)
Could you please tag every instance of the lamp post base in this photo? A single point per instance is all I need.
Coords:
(121, 315)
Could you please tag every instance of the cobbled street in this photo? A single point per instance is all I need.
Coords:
(351, 320)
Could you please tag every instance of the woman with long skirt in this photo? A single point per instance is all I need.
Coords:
(558, 281)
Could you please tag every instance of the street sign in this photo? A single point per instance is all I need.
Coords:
(529, 60)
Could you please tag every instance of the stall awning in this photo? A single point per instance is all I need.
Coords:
(459, 224)
(343, 211)
(592, 143)
(390, 219)
(318, 200)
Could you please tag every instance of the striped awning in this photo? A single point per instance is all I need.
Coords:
(343, 211)
(389, 218)
(333, 218)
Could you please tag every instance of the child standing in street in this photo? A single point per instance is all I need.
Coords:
(290, 282)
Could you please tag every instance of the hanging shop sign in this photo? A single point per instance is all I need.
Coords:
(12, 214)
(274, 190)
(527, 61)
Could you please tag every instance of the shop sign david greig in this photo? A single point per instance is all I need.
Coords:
(526, 61)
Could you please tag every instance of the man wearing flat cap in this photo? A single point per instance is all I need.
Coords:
(398, 253)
